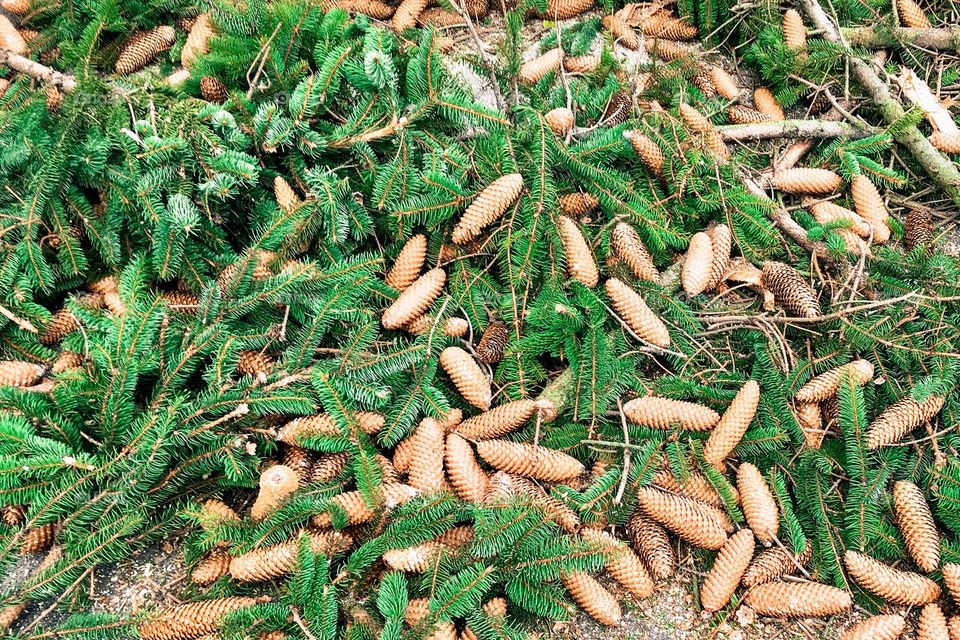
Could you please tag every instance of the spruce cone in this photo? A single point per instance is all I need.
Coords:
(469, 481)
(577, 204)
(669, 29)
(284, 194)
(533, 70)
(566, 9)
(456, 327)
(529, 460)
(765, 103)
(213, 567)
(439, 18)
(415, 299)
(790, 290)
(666, 413)
(721, 241)
(216, 512)
(467, 376)
(581, 64)
(457, 537)
(732, 425)
(724, 83)
(946, 142)
(759, 507)
(629, 248)
(742, 114)
(301, 461)
(181, 301)
(13, 515)
(919, 229)
(621, 32)
(794, 33)
(696, 272)
(953, 626)
(694, 120)
(38, 538)
(699, 524)
(498, 421)
(635, 312)
(911, 15)
(797, 599)
(695, 486)
(951, 579)
(198, 41)
(806, 180)
(489, 205)
(406, 14)
(16, 7)
(415, 559)
(354, 505)
(917, 526)
(618, 109)
(213, 90)
(492, 343)
(11, 39)
(252, 363)
(373, 8)
(827, 212)
(622, 564)
(881, 627)
(774, 563)
(651, 543)
(668, 50)
(897, 587)
(54, 99)
(193, 620)
(870, 206)
(62, 323)
(932, 624)
(808, 416)
(560, 120)
(322, 424)
(647, 150)
(728, 568)
(825, 385)
(16, 373)
(425, 471)
(65, 361)
(402, 453)
(557, 509)
(279, 560)
(702, 81)
(276, 484)
(900, 418)
(143, 48)
(580, 262)
(409, 262)
(592, 597)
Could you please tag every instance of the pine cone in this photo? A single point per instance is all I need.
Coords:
(467, 376)
(932, 624)
(651, 543)
(732, 425)
(287, 199)
(911, 15)
(415, 299)
(198, 41)
(577, 204)
(490, 204)
(62, 323)
(790, 290)
(951, 579)
(724, 83)
(457, 537)
(388, 473)
(647, 150)
(695, 120)
(354, 505)
(592, 597)
(492, 343)
(533, 70)
(469, 481)
(742, 114)
(405, 17)
(668, 50)
(322, 424)
(560, 120)
(16, 373)
(10, 38)
(529, 460)
(774, 563)
(415, 559)
(765, 103)
(622, 32)
(16, 7)
(54, 100)
(213, 90)
(580, 262)
(65, 361)
(38, 538)
(495, 608)
(696, 272)
(917, 526)
(797, 599)
(181, 301)
(557, 509)
(701, 80)
(301, 461)
(9, 614)
(953, 626)
(252, 363)
(919, 229)
(402, 453)
(794, 33)
(806, 180)
(498, 421)
(900, 418)
(897, 587)
(425, 471)
(439, 18)
(279, 560)
(213, 567)
(808, 416)
(581, 64)
(828, 212)
(947, 142)
(870, 206)
(373, 8)
(456, 328)
(629, 248)
(728, 568)
(881, 627)
(695, 486)
(276, 484)
(721, 241)
(635, 312)
(699, 524)
(622, 563)
(143, 48)
(618, 109)
(13, 515)
(409, 262)
(759, 507)
(826, 384)
(669, 29)
(666, 413)
(193, 620)
(216, 512)
(566, 9)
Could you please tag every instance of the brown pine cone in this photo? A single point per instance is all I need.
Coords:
(287, 199)
(301, 461)
(456, 537)
(695, 120)
(388, 473)
(911, 15)
(826, 384)
(699, 524)
(618, 109)
(880, 627)
(415, 299)
(580, 262)
(490, 204)
(577, 204)
(425, 471)
(456, 327)
(797, 599)
(697, 265)
(701, 80)
(38, 538)
(213, 90)
(622, 32)
(953, 626)
(279, 560)
(216, 512)
(647, 150)
(181, 301)
(668, 50)
(492, 343)
(9, 615)
(669, 29)
(721, 241)
(919, 229)
(467, 376)
(806, 180)
(732, 425)
(765, 103)
(724, 83)
(666, 413)
(869, 204)
(566, 9)
(932, 624)
(322, 424)
(951, 579)
(916, 524)
(581, 64)
(16, 7)
(893, 585)
(529, 460)
(759, 507)
(198, 40)
(409, 262)
(592, 597)
(900, 418)
(774, 563)
(947, 142)
(622, 563)
(65, 361)
(554, 507)
(828, 212)
(439, 18)
(252, 363)
(415, 559)
(192, 620)
(695, 486)
(354, 505)
(728, 568)
(742, 114)
(628, 247)
(560, 120)
(808, 416)
(16, 373)
(13, 515)
(213, 567)
(62, 323)
(534, 69)
(373, 8)
(10, 38)
(405, 17)
(790, 290)
(794, 33)
(143, 48)
(276, 484)
(468, 480)
(54, 99)
(631, 307)
(651, 543)
(498, 421)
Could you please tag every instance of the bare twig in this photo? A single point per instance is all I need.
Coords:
(38, 71)
(792, 129)
(878, 38)
(626, 455)
(26, 325)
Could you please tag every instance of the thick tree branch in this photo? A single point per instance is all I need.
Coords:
(879, 37)
(792, 129)
(36, 70)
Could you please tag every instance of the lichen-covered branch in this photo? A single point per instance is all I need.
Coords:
(792, 129)
(878, 38)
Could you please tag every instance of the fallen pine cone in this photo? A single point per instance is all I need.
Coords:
(666, 413)
(354, 505)
(425, 469)
(932, 624)
(759, 507)
(276, 484)
(727, 570)
(566, 9)
(143, 48)
(490, 204)
(826, 384)
(533, 70)
(529, 460)
(622, 564)
(577, 204)
(621, 32)
(193, 620)
(900, 418)
(915, 522)
(919, 229)
(498, 421)
(198, 40)
(406, 268)
(213, 90)
(468, 479)
(797, 599)
(893, 585)
(724, 83)
(592, 597)
(628, 247)
(734, 422)
(794, 33)
(790, 290)
(882, 627)
(774, 563)
(697, 523)
(911, 15)
(697, 265)
(467, 376)
(406, 14)
(651, 543)
(630, 306)
(870, 206)
(742, 114)
(16, 373)
(213, 567)
(765, 103)
(806, 180)
(649, 153)
(580, 262)
(493, 342)
(560, 120)
(415, 299)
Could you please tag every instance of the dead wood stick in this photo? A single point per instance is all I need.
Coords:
(792, 129)
(782, 219)
(941, 169)
(36, 70)
(881, 37)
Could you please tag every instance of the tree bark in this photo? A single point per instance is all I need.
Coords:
(879, 38)
(36, 70)
(792, 129)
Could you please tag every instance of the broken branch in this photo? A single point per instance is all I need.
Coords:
(792, 129)
(38, 71)
(879, 38)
